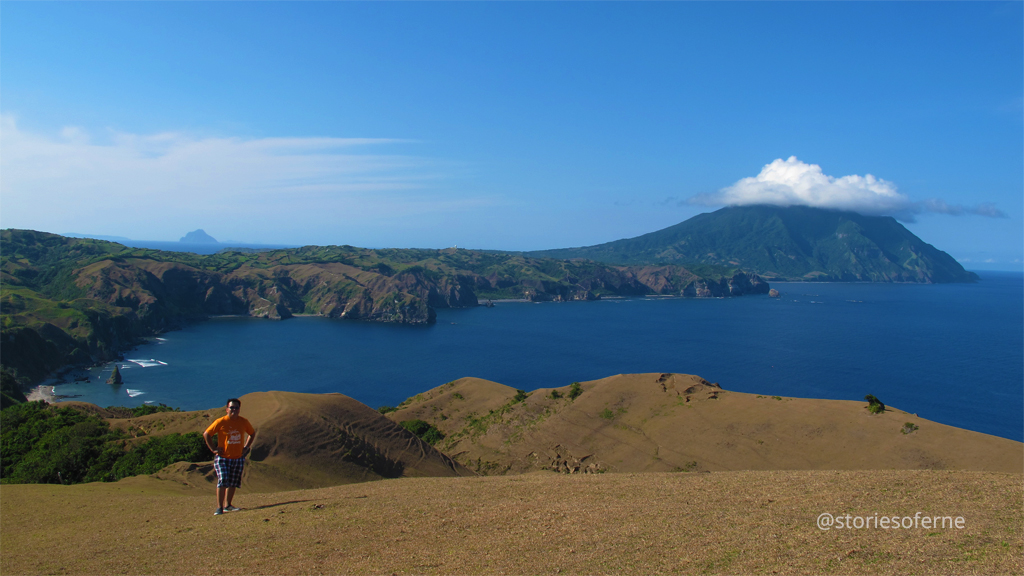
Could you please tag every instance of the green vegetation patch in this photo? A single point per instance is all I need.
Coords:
(40, 444)
(424, 430)
(875, 405)
(575, 390)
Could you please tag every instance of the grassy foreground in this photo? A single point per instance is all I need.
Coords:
(644, 523)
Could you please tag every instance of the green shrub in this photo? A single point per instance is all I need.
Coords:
(424, 430)
(386, 409)
(908, 428)
(26, 426)
(520, 396)
(606, 414)
(10, 392)
(555, 395)
(147, 409)
(143, 410)
(158, 452)
(457, 396)
(875, 405)
(575, 390)
(46, 445)
(65, 455)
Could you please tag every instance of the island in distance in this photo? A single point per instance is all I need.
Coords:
(198, 237)
(794, 243)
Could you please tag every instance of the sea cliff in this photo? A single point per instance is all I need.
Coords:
(71, 301)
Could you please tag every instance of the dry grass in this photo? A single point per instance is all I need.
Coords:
(688, 523)
(768, 468)
(667, 422)
(302, 441)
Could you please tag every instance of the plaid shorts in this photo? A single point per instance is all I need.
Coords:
(229, 471)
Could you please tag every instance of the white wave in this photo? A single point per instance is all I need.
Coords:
(134, 393)
(147, 363)
(147, 401)
(160, 339)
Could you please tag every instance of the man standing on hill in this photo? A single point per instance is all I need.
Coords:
(234, 438)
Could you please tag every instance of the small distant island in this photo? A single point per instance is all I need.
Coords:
(198, 237)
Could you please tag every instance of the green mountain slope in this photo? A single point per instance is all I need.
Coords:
(786, 243)
(77, 301)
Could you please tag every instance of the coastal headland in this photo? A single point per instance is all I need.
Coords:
(684, 477)
(75, 302)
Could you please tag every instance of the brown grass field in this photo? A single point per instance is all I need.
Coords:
(755, 522)
(686, 479)
(671, 422)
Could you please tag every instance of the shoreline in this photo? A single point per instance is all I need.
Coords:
(43, 392)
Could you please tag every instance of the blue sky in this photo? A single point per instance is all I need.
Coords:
(508, 125)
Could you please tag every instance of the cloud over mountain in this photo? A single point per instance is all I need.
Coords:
(791, 182)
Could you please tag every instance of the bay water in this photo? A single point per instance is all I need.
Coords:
(952, 353)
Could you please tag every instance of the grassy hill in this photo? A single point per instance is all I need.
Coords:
(679, 422)
(302, 441)
(766, 469)
(754, 522)
(786, 243)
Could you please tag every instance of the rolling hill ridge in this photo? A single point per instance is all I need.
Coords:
(681, 422)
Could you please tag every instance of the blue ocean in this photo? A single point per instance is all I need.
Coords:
(951, 353)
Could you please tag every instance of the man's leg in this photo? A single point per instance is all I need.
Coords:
(221, 490)
(222, 493)
(231, 494)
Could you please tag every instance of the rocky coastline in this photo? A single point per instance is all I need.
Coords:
(101, 299)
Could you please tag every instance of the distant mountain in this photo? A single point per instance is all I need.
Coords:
(198, 237)
(785, 243)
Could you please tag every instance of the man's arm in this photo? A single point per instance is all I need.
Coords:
(207, 437)
(248, 443)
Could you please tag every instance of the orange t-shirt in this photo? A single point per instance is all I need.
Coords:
(229, 435)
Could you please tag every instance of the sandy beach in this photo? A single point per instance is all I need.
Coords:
(42, 392)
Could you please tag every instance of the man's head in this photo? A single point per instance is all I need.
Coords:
(234, 406)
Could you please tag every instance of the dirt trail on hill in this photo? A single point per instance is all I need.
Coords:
(541, 523)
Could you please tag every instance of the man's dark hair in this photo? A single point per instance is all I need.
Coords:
(230, 400)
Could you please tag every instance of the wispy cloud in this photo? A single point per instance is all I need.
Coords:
(791, 182)
(64, 181)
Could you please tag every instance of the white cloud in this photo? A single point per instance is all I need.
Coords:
(791, 182)
(161, 185)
